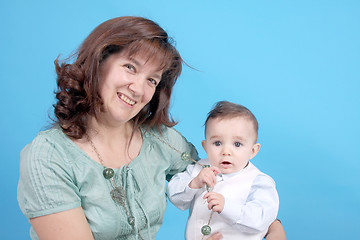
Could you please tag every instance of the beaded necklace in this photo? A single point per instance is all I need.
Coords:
(118, 194)
(206, 229)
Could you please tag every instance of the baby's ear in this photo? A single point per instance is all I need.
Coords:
(255, 150)
(203, 143)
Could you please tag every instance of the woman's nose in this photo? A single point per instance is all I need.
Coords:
(137, 86)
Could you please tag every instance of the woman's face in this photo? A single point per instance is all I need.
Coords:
(127, 84)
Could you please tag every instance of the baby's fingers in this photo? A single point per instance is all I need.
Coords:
(210, 196)
(214, 205)
(210, 179)
(215, 170)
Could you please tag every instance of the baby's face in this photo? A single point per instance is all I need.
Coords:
(230, 143)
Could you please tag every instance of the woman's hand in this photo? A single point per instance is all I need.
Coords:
(206, 176)
(70, 224)
(276, 231)
(215, 236)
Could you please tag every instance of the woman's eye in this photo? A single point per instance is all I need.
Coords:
(153, 81)
(237, 144)
(130, 67)
(217, 143)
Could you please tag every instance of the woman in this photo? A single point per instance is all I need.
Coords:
(100, 172)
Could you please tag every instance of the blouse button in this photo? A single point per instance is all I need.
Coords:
(131, 220)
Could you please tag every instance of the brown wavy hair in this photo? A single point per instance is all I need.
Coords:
(78, 82)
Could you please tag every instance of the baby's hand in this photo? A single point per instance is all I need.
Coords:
(216, 201)
(205, 176)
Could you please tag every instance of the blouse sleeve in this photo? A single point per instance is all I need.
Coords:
(46, 184)
(179, 142)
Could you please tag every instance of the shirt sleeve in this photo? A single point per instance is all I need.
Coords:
(46, 184)
(178, 190)
(259, 210)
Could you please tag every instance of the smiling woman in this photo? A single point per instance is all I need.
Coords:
(127, 85)
(129, 36)
(99, 172)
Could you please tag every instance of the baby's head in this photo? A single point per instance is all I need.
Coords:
(230, 136)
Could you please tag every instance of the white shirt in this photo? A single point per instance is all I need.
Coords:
(251, 202)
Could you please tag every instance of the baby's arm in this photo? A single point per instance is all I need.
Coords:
(260, 209)
(183, 187)
(178, 191)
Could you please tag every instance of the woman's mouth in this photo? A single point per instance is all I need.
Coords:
(126, 99)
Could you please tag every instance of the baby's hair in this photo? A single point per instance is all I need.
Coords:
(225, 109)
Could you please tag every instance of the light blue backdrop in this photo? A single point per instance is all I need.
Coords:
(295, 64)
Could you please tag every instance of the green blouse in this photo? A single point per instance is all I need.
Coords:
(56, 175)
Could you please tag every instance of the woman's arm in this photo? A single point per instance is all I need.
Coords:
(70, 224)
(276, 231)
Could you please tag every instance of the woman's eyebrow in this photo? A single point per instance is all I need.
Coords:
(137, 63)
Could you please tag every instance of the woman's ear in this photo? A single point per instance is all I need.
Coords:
(255, 150)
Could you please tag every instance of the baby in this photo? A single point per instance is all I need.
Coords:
(226, 193)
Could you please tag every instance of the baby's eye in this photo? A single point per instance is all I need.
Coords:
(217, 143)
(237, 144)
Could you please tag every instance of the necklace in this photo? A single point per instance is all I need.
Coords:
(206, 229)
(118, 194)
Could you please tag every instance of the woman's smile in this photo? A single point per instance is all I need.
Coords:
(126, 99)
(127, 85)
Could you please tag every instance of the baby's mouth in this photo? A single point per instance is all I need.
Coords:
(226, 163)
(126, 99)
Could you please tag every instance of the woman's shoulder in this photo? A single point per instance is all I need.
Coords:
(48, 136)
(168, 136)
(47, 144)
(47, 169)
(171, 137)
(165, 133)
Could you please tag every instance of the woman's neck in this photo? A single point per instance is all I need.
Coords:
(118, 145)
(110, 133)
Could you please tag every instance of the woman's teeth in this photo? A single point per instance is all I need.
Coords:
(127, 100)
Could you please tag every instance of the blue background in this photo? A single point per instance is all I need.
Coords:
(295, 64)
